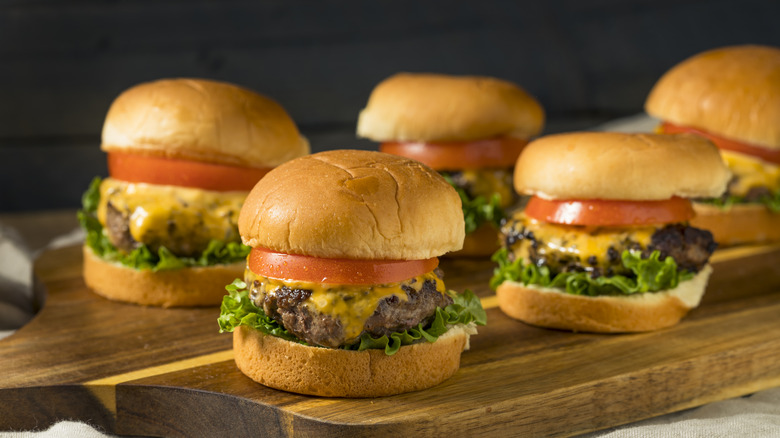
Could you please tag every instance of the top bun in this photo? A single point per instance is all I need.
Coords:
(353, 204)
(733, 92)
(200, 120)
(432, 107)
(610, 165)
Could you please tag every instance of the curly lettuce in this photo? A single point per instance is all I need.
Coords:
(478, 210)
(650, 275)
(216, 253)
(237, 309)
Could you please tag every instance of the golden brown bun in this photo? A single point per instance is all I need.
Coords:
(202, 120)
(353, 204)
(189, 287)
(483, 242)
(551, 308)
(731, 91)
(610, 165)
(330, 372)
(434, 107)
(738, 224)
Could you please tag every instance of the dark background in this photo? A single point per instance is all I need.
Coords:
(62, 63)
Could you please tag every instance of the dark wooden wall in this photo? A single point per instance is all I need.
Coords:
(62, 63)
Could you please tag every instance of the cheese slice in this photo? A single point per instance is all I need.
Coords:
(564, 243)
(750, 172)
(159, 213)
(487, 182)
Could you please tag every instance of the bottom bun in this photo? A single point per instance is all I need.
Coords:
(738, 224)
(483, 241)
(329, 372)
(201, 286)
(546, 307)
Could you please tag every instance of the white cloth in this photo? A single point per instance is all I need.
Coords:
(631, 124)
(19, 300)
(754, 416)
(16, 292)
(63, 429)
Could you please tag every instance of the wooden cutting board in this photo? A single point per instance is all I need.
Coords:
(134, 370)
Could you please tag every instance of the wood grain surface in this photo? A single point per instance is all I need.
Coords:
(135, 370)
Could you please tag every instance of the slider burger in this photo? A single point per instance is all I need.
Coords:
(182, 156)
(604, 244)
(731, 96)
(342, 295)
(471, 129)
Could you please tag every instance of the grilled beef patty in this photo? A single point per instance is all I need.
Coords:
(184, 220)
(286, 306)
(118, 229)
(690, 248)
(181, 241)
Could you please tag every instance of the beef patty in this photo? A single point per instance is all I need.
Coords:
(690, 248)
(392, 314)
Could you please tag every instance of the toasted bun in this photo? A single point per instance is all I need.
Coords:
(189, 287)
(482, 242)
(433, 107)
(738, 224)
(552, 308)
(202, 120)
(731, 91)
(353, 204)
(610, 165)
(329, 372)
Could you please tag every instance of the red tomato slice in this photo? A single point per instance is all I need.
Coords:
(481, 154)
(599, 212)
(148, 169)
(284, 266)
(772, 156)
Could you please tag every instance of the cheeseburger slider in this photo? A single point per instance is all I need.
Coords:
(182, 156)
(342, 295)
(732, 97)
(471, 129)
(604, 243)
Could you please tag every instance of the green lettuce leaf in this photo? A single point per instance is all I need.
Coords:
(478, 210)
(237, 309)
(465, 309)
(216, 253)
(651, 275)
(772, 202)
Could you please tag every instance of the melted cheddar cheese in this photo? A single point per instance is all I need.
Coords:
(486, 182)
(750, 172)
(564, 244)
(175, 217)
(350, 304)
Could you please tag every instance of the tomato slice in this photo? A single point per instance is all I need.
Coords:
(772, 156)
(481, 154)
(148, 169)
(600, 212)
(284, 266)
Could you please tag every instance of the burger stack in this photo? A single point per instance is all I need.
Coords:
(331, 260)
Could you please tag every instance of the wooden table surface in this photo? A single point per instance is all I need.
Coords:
(136, 370)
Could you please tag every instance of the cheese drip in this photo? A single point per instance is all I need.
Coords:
(750, 172)
(182, 219)
(350, 304)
